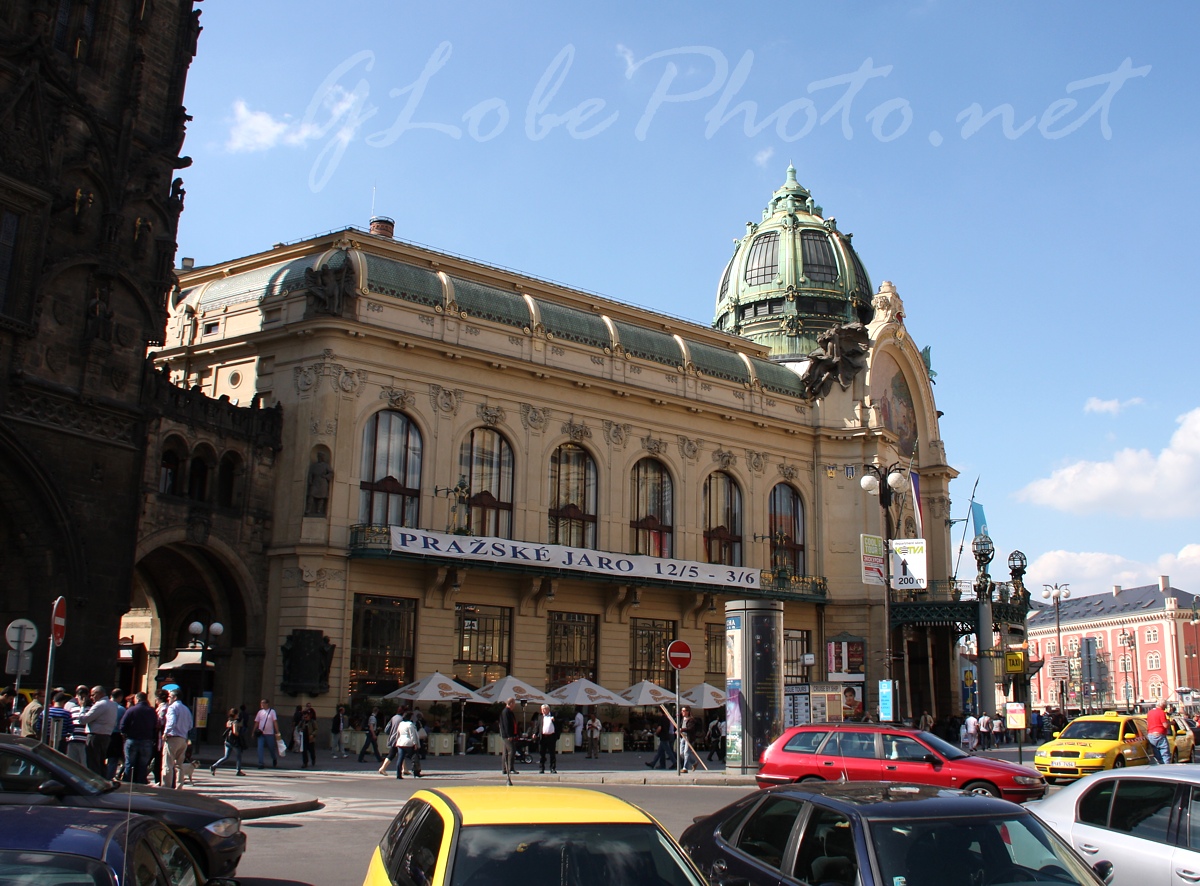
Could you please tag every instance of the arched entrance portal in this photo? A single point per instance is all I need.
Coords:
(178, 582)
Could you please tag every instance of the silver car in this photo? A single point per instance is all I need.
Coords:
(1145, 820)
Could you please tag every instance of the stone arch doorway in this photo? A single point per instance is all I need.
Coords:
(178, 581)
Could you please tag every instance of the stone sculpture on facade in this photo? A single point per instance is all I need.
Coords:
(841, 356)
(320, 474)
(331, 287)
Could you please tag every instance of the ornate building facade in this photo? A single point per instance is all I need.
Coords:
(483, 473)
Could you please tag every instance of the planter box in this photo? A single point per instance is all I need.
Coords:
(612, 741)
(441, 743)
(566, 743)
(495, 744)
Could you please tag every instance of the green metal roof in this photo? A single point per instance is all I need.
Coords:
(718, 363)
(779, 379)
(649, 344)
(403, 281)
(258, 284)
(490, 303)
(574, 325)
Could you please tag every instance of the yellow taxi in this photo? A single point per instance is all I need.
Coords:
(1182, 740)
(497, 835)
(1094, 742)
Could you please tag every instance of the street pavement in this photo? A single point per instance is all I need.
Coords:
(288, 789)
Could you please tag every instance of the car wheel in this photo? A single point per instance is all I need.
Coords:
(1119, 763)
(982, 787)
(809, 779)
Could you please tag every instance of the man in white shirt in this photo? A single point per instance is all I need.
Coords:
(972, 724)
(547, 732)
(101, 722)
(985, 731)
(266, 727)
(175, 740)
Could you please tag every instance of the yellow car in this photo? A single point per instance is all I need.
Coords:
(496, 835)
(1092, 743)
(1182, 740)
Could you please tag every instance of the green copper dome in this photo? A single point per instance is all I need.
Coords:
(792, 276)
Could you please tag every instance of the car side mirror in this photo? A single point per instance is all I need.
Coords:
(932, 758)
(52, 787)
(1055, 735)
(1104, 870)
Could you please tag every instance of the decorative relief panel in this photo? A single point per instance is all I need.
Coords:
(490, 415)
(689, 448)
(398, 398)
(616, 434)
(653, 446)
(576, 432)
(534, 418)
(788, 472)
(444, 399)
(323, 427)
(756, 461)
(725, 459)
(341, 379)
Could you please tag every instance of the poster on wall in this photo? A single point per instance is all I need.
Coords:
(797, 710)
(733, 688)
(826, 701)
(845, 658)
(852, 701)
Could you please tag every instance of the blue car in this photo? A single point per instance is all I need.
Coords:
(54, 846)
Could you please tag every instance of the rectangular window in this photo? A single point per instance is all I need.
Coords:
(648, 641)
(212, 328)
(714, 654)
(381, 644)
(571, 640)
(796, 644)
(10, 227)
(484, 643)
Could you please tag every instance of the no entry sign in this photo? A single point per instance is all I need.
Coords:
(58, 621)
(679, 655)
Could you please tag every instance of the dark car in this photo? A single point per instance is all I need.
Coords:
(870, 752)
(32, 774)
(880, 834)
(53, 846)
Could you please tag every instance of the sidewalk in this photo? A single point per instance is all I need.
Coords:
(287, 788)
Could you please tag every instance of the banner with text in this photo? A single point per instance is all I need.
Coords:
(514, 553)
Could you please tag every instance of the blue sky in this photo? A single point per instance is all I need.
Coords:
(1025, 173)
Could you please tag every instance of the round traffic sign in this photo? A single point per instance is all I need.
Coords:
(58, 621)
(679, 655)
(16, 638)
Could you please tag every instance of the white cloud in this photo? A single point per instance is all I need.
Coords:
(626, 55)
(1133, 483)
(253, 130)
(763, 157)
(1089, 572)
(1112, 407)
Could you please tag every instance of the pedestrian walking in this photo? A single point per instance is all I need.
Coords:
(101, 722)
(139, 725)
(508, 735)
(547, 732)
(666, 739)
(266, 730)
(371, 740)
(1156, 731)
(999, 733)
(389, 741)
(716, 739)
(175, 739)
(592, 730)
(407, 746)
(578, 723)
(690, 727)
(985, 731)
(926, 723)
(234, 742)
(308, 739)
(337, 729)
(972, 726)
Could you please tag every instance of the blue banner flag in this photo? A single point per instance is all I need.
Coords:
(981, 527)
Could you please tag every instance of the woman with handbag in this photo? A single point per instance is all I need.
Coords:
(233, 742)
(407, 746)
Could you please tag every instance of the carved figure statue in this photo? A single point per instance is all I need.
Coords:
(841, 356)
(320, 474)
(331, 287)
(99, 320)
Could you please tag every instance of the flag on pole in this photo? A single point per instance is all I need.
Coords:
(916, 491)
(981, 527)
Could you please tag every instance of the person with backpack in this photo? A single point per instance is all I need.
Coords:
(371, 740)
(716, 739)
(407, 746)
(234, 744)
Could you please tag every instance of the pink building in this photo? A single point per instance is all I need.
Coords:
(1105, 651)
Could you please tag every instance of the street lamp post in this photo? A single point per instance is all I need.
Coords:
(886, 483)
(1058, 593)
(203, 633)
(983, 550)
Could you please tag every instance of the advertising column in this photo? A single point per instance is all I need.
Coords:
(753, 680)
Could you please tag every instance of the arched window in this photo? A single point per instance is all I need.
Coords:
(787, 529)
(762, 265)
(228, 476)
(486, 460)
(200, 470)
(1151, 635)
(390, 488)
(171, 467)
(572, 513)
(1051, 647)
(1073, 645)
(817, 254)
(653, 508)
(1153, 661)
(1156, 691)
(722, 520)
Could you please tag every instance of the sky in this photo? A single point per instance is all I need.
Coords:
(1025, 173)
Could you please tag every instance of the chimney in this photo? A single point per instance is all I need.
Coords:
(188, 263)
(382, 226)
(1164, 582)
(1116, 590)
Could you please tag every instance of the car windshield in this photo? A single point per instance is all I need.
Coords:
(569, 855)
(23, 868)
(1091, 730)
(990, 850)
(82, 777)
(947, 750)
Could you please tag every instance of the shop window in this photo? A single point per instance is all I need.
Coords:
(648, 642)
(484, 643)
(714, 651)
(571, 639)
(381, 644)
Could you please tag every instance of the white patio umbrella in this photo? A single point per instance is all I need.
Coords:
(512, 687)
(438, 687)
(705, 696)
(647, 693)
(585, 692)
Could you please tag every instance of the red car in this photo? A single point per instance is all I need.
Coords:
(867, 752)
